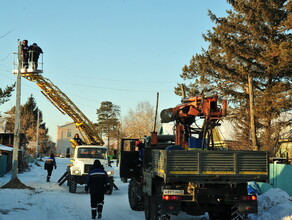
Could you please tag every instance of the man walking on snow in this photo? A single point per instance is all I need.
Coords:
(97, 183)
(50, 163)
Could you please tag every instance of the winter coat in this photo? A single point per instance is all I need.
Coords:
(78, 140)
(34, 52)
(97, 181)
(50, 163)
(24, 52)
(141, 147)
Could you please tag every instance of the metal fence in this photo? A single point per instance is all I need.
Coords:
(3, 165)
(280, 177)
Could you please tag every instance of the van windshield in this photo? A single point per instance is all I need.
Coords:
(98, 153)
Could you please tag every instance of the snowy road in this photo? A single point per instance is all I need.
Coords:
(51, 201)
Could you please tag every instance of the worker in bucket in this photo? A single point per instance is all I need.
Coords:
(97, 183)
(34, 53)
(24, 53)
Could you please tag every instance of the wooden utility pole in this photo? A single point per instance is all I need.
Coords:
(16, 140)
(37, 135)
(252, 114)
(156, 109)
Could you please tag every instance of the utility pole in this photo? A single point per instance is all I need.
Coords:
(16, 140)
(37, 135)
(252, 114)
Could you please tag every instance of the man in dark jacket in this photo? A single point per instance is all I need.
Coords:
(35, 52)
(97, 182)
(141, 147)
(50, 163)
(24, 53)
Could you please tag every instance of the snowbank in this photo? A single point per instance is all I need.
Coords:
(275, 204)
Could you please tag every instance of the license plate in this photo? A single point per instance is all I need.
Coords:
(173, 192)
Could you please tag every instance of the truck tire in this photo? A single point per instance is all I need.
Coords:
(72, 184)
(110, 190)
(150, 208)
(135, 198)
(124, 180)
(225, 214)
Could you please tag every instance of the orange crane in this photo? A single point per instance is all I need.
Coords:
(184, 115)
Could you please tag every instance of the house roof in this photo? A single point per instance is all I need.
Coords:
(66, 125)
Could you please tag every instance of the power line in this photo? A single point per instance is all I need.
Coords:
(6, 33)
(117, 89)
(119, 80)
(5, 57)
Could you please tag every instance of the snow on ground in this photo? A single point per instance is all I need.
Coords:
(51, 201)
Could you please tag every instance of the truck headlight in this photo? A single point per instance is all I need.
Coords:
(76, 172)
(110, 173)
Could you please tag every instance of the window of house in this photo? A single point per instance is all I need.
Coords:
(69, 133)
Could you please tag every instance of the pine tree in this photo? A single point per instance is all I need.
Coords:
(253, 40)
(28, 123)
(108, 119)
(5, 94)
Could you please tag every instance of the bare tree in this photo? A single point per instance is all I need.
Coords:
(139, 122)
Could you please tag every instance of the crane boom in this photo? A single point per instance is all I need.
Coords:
(61, 101)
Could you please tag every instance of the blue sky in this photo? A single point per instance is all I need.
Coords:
(123, 51)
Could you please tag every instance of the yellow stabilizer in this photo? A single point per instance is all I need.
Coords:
(74, 143)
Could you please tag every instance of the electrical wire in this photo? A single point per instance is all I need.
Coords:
(6, 34)
(5, 57)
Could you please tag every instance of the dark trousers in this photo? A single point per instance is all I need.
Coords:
(96, 201)
(49, 172)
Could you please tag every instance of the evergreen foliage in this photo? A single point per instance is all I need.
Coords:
(254, 39)
(5, 94)
(108, 119)
(28, 124)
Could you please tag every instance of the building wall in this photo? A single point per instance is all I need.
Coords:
(64, 134)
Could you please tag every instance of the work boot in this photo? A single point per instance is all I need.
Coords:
(99, 209)
(93, 213)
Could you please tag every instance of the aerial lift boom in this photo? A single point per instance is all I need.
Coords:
(61, 101)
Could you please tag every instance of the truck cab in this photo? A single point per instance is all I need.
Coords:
(82, 161)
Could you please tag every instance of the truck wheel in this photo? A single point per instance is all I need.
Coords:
(72, 184)
(225, 214)
(110, 190)
(150, 208)
(135, 199)
(124, 180)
